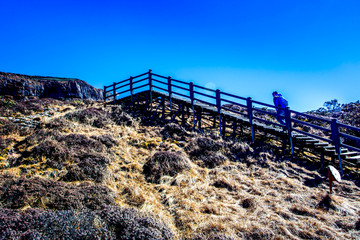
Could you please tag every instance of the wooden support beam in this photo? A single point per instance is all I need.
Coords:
(199, 119)
(234, 128)
(223, 126)
(163, 108)
(183, 115)
(181, 107)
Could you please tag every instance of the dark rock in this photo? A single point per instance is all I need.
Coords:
(23, 86)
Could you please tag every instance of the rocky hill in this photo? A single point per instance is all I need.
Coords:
(348, 114)
(84, 171)
(20, 86)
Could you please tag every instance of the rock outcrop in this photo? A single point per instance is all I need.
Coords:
(20, 86)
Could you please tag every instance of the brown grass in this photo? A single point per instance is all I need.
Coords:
(228, 190)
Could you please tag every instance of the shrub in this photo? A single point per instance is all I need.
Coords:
(38, 224)
(91, 167)
(7, 103)
(80, 142)
(5, 142)
(121, 118)
(129, 223)
(59, 124)
(175, 131)
(73, 225)
(41, 135)
(105, 139)
(241, 150)
(211, 159)
(165, 163)
(110, 223)
(8, 128)
(202, 145)
(96, 117)
(54, 152)
(40, 192)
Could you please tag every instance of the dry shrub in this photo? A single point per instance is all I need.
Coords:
(110, 223)
(79, 143)
(241, 150)
(17, 193)
(25, 107)
(105, 139)
(200, 145)
(129, 223)
(207, 151)
(40, 136)
(90, 167)
(59, 124)
(96, 117)
(211, 160)
(121, 118)
(133, 197)
(6, 142)
(248, 203)
(73, 225)
(174, 131)
(8, 128)
(165, 163)
(55, 153)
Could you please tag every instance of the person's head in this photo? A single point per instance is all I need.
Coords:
(274, 93)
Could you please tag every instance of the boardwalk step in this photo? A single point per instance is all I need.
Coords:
(353, 157)
(320, 144)
(349, 153)
(303, 138)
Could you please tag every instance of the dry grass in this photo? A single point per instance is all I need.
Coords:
(245, 195)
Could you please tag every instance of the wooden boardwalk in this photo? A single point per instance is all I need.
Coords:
(234, 116)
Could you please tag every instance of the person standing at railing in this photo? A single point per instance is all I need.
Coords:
(280, 103)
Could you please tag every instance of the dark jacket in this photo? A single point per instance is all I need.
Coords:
(278, 102)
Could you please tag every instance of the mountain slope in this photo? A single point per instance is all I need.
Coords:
(102, 170)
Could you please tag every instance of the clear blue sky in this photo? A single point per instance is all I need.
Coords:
(309, 50)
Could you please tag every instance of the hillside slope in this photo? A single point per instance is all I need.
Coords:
(99, 173)
(20, 86)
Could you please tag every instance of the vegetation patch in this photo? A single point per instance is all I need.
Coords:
(122, 118)
(165, 164)
(174, 131)
(96, 117)
(110, 223)
(90, 167)
(39, 192)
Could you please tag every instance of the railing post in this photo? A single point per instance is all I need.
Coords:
(289, 128)
(131, 87)
(335, 136)
(191, 89)
(250, 116)
(218, 106)
(114, 92)
(170, 92)
(150, 89)
(104, 94)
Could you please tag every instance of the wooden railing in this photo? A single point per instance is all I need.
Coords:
(329, 131)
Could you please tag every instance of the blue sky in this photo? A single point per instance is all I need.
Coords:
(307, 50)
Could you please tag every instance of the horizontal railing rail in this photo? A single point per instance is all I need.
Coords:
(332, 132)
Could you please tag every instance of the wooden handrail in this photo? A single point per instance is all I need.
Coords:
(220, 97)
